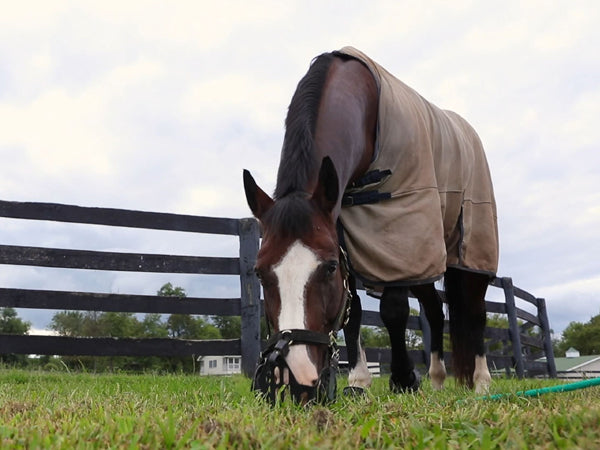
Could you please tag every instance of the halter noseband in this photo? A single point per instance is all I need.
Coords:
(278, 346)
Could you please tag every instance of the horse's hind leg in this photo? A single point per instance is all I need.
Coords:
(465, 294)
(432, 303)
(359, 376)
(394, 312)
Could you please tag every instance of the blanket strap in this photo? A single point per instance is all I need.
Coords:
(374, 176)
(363, 198)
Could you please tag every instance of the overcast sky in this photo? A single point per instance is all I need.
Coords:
(159, 106)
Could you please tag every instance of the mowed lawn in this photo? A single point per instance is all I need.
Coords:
(68, 410)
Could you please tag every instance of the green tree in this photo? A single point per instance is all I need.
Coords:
(68, 323)
(153, 326)
(585, 337)
(119, 324)
(10, 323)
(379, 337)
(229, 326)
(374, 336)
(185, 326)
(168, 290)
(97, 324)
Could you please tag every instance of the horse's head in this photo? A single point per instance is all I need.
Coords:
(304, 279)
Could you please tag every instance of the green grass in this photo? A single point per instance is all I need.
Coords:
(66, 410)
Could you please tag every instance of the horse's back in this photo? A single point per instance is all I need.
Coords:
(442, 209)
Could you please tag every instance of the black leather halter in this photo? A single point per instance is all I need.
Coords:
(269, 383)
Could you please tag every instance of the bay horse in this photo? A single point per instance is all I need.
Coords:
(441, 223)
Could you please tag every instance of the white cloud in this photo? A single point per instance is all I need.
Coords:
(59, 133)
(159, 106)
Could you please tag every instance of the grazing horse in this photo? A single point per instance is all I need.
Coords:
(370, 167)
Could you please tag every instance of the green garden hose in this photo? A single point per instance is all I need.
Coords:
(546, 390)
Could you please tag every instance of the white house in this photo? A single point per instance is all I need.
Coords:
(220, 365)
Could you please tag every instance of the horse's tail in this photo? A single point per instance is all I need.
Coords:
(465, 294)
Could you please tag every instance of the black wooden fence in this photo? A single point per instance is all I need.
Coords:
(522, 349)
(518, 353)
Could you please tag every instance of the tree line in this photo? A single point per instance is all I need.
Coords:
(124, 325)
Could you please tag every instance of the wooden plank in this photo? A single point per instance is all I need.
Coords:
(524, 295)
(371, 318)
(496, 282)
(499, 361)
(522, 314)
(537, 366)
(495, 307)
(118, 217)
(128, 262)
(500, 334)
(60, 345)
(526, 327)
(536, 355)
(383, 355)
(531, 341)
(86, 301)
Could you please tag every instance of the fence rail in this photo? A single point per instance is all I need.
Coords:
(519, 349)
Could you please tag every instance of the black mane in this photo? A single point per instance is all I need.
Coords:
(298, 160)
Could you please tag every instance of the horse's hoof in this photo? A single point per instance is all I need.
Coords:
(412, 385)
(353, 391)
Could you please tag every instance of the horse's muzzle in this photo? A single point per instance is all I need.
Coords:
(273, 378)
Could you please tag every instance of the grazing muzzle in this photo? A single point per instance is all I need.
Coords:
(273, 377)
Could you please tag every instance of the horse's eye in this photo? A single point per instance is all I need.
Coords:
(332, 267)
(257, 273)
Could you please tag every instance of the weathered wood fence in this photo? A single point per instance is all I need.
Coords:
(518, 353)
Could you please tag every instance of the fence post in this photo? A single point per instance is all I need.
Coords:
(250, 295)
(546, 337)
(515, 333)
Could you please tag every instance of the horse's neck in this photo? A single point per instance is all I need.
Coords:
(347, 119)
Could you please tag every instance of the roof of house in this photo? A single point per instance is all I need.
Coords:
(565, 364)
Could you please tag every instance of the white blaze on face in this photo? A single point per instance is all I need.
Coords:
(293, 272)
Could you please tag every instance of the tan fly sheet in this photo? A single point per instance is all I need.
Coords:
(441, 209)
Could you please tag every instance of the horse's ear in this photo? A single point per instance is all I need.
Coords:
(258, 201)
(328, 189)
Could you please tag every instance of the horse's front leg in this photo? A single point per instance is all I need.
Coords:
(359, 376)
(394, 310)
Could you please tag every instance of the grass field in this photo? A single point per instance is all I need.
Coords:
(66, 410)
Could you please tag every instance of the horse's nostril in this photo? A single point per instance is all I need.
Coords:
(314, 382)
